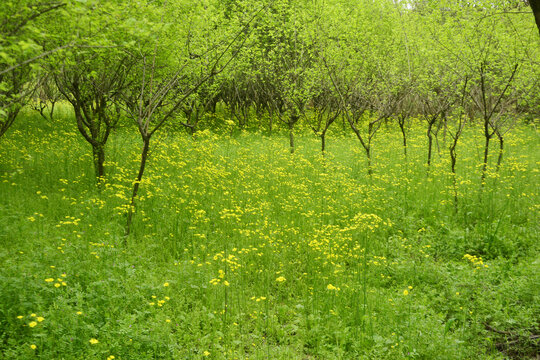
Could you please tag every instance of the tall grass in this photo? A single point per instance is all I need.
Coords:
(241, 249)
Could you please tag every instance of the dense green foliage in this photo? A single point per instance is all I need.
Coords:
(152, 208)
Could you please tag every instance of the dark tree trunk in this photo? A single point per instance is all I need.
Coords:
(291, 137)
(368, 154)
(99, 160)
(404, 134)
(486, 154)
(501, 150)
(430, 144)
(144, 157)
(323, 141)
(535, 6)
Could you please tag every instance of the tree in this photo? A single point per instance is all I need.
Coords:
(21, 37)
(160, 87)
(91, 75)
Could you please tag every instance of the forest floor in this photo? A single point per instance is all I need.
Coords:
(241, 249)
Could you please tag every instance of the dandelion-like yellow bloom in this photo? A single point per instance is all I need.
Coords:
(206, 353)
(40, 318)
(49, 280)
(405, 292)
(19, 317)
(332, 287)
(33, 347)
(32, 324)
(93, 341)
(166, 284)
(280, 279)
(57, 285)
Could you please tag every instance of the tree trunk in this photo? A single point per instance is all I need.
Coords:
(323, 141)
(484, 166)
(368, 154)
(535, 6)
(144, 156)
(402, 128)
(501, 149)
(51, 113)
(430, 145)
(291, 137)
(99, 160)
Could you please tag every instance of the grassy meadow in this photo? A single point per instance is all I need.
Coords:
(242, 250)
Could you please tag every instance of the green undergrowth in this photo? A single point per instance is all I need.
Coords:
(242, 250)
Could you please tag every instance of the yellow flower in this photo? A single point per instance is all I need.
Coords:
(40, 318)
(33, 347)
(280, 279)
(49, 280)
(206, 353)
(332, 287)
(93, 341)
(226, 283)
(168, 320)
(166, 284)
(19, 317)
(32, 324)
(33, 315)
(110, 357)
(57, 285)
(405, 292)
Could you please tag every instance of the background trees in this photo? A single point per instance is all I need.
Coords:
(23, 30)
(296, 64)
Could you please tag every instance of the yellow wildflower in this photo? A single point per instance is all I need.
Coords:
(93, 341)
(32, 324)
(280, 279)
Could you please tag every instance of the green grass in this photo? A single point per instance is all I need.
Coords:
(266, 254)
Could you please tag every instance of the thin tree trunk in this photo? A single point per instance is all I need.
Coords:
(484, 166)
(368, 154)
(51, 113)
(323, 141)
(501, 149)
(402, 128)
(430, 145)
(144, 157)
(291, 137)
